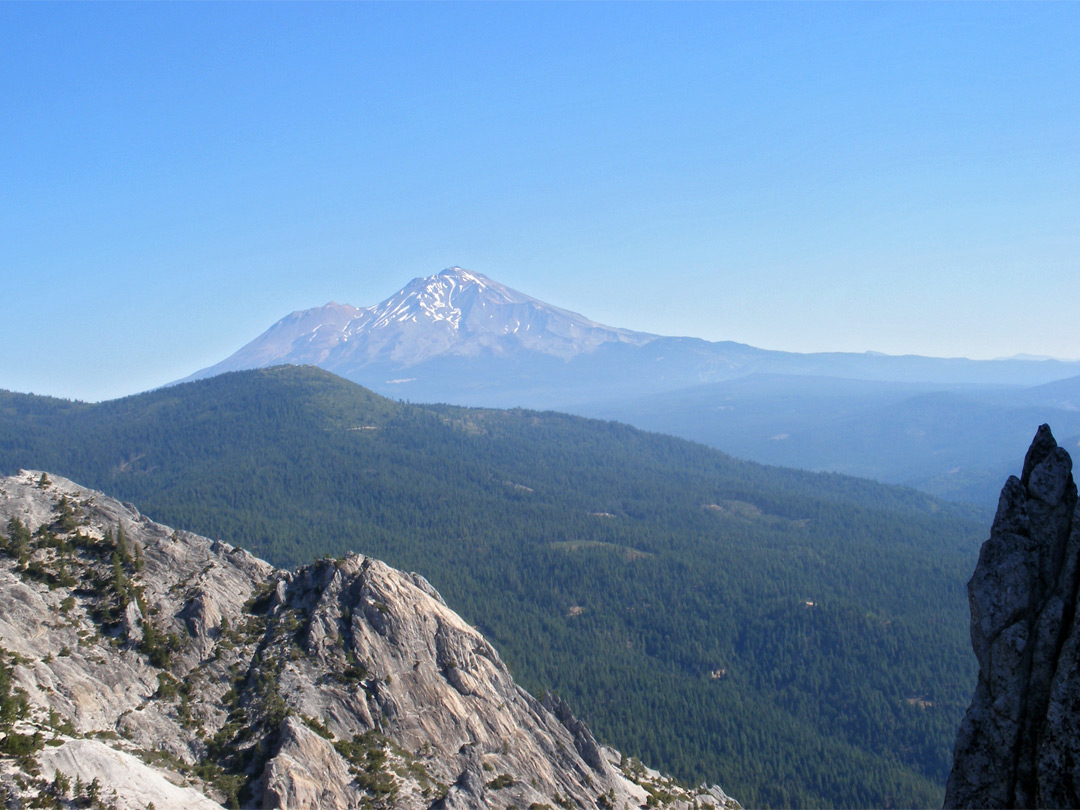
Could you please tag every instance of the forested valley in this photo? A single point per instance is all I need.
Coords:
(798, 638)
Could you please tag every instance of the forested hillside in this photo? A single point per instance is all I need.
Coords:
(800, 639)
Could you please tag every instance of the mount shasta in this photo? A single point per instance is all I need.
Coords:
(948, 426)
(456, 319)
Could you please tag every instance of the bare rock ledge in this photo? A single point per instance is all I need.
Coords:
(145, 665)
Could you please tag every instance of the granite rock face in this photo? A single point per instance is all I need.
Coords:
(180, 671)
(1019, 744)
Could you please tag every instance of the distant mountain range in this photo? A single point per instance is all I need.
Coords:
(462, 337)
(948, 425)
(952, 441)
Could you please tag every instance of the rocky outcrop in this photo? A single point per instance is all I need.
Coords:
(1019, 744)
(166, 668)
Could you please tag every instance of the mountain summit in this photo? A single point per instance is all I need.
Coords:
(465, 313)
(461, 337)
(456, 312)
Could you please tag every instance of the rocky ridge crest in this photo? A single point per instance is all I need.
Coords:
(1019, 744)
(145, 665)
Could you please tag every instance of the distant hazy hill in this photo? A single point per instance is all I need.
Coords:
(954, 442)
(800, 639)
(948, 426)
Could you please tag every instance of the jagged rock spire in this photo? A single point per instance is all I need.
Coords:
(1019, 744)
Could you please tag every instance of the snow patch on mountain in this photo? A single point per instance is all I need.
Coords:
(456, 312)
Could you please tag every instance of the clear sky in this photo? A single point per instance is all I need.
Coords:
(842, 176)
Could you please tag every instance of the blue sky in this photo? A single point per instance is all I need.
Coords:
(174, 178)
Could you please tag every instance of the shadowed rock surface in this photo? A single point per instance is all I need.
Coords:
(175, 670)
(1019, 744)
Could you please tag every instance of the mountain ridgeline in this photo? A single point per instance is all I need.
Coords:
(455, 313)
(462, 337)
(800, 639)
(947, 426)
(953, 441)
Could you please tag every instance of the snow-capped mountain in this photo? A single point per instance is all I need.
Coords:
(465, 313)
(461, 337)
(453, 313)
